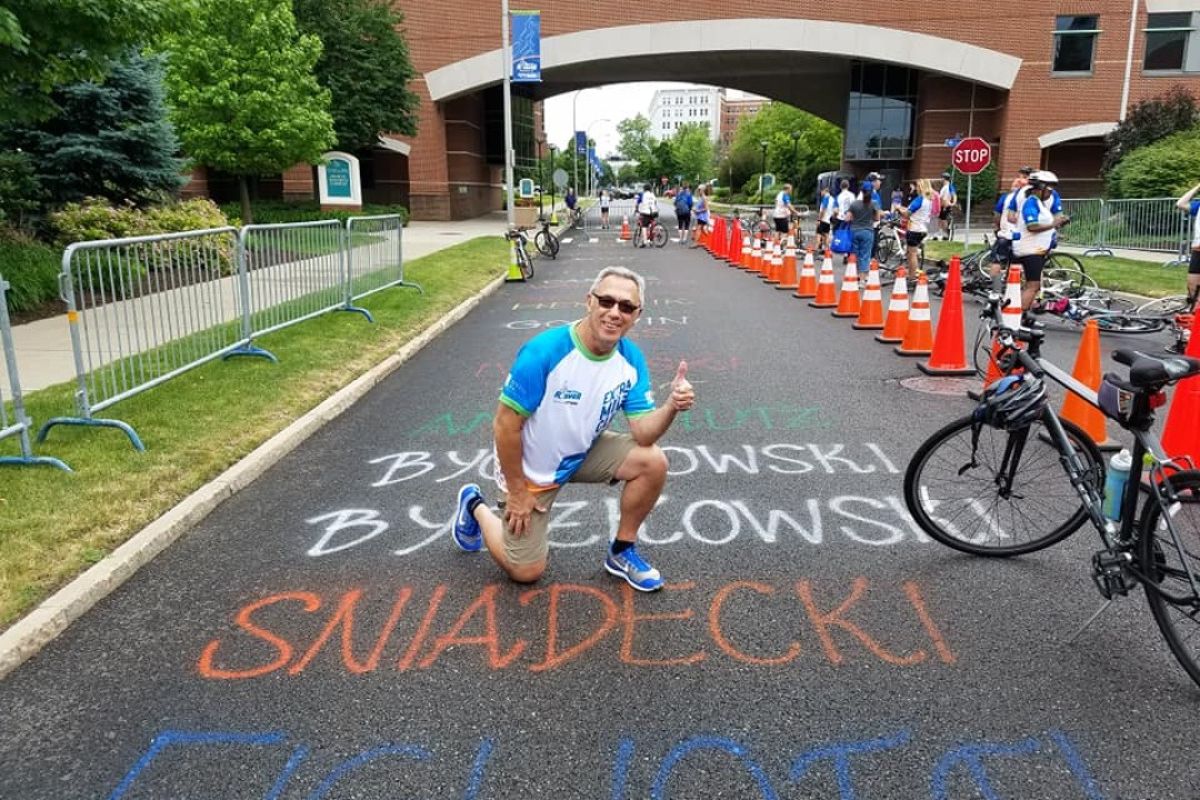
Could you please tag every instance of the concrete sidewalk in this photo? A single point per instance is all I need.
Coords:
(44, 347)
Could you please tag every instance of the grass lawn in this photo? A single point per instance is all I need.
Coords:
(54, 525)
(1147, 278)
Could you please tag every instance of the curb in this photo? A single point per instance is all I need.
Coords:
(40, 626)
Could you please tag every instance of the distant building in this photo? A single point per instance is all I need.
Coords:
(732, 113)
(672, 108)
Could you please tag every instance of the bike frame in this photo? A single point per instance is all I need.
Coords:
(1141, 417)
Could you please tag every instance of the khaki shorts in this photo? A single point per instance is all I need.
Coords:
(600, 465)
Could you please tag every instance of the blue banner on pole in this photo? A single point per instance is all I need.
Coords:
(527, 46)
(580, 142)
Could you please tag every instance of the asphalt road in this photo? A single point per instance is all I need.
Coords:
(318, 636)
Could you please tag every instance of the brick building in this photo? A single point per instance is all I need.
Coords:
(732, 113)
(1042, 81)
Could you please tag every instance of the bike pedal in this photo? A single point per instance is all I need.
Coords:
(1110, 573)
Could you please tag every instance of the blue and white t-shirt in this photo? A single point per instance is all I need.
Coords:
(1192, 212)
(919, 212)
(1035, 212)
(570, 397)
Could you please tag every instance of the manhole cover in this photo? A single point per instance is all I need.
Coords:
(951, 387)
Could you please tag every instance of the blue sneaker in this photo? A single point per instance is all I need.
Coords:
(630, 566)
(466, 530)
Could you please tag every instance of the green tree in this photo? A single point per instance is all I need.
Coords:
(663, 162)
(111, 139)
(365, 66)
(1166, 168)
(20, 190)
(628, 175)
(693, 151)
(816, 149)
(636, 142)
(47, 45)
(242, 92)
(1149, 121)
(983, 187)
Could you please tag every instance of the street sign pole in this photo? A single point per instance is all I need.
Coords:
(967, 227)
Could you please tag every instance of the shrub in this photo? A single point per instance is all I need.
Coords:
(30, 267)
(275, 212)
(1166, 168)
(1150, 121)
(20, 190)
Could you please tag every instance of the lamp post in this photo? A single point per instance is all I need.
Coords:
(574, 144)
(796, 159)
(508, 137)
(553, 150)
(591, 143)
(762, 176)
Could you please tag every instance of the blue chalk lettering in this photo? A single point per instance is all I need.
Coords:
(621, 768)
(289, 769)
(971, 755)
(481, 758)
(714, 743)
(365, 757)
(1075, 763)
(188, 739)
(840, 753)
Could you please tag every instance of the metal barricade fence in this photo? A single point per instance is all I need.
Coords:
(374, 256)
(1086, 228)
(290, 272)
(1152, 224)
(144, 309)
(20, 424)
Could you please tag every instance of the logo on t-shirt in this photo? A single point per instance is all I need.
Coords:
(565, 395)
(613, 400)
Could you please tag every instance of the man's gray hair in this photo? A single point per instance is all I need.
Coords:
(627, 274)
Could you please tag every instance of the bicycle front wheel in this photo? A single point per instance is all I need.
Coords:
(1128, 323)
(1166, 565)
(964, 501)
(1164, 306)
(1063, 261)
(659, 237)
(547, 243)
(525, 262)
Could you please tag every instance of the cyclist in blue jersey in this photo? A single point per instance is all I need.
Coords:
(1036, 230)
(551, 428)
(1192, 206)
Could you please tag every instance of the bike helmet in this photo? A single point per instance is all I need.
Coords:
(1014, 401)
(1043, 177)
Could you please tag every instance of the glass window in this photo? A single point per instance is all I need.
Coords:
(1075, 43)
(880, 113)
(1167, 37)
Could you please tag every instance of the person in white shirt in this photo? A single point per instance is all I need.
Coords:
(918, 213)
(826, 208)
(1036, 227)
(948, 198)
(844, 199)
(1005, 226)
(783, 211)
(605, 201)
(647, 209)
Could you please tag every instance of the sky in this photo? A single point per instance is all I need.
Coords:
(598, 110)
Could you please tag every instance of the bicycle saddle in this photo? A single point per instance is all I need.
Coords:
(1147, 370)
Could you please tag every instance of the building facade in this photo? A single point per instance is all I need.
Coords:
(1041, 80)
(732, 113)
(670, 109)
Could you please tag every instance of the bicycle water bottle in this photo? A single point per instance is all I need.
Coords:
(1114, 483)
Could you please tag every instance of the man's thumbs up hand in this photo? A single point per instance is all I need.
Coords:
(683, 396)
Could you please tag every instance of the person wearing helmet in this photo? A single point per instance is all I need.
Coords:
(1037, 225)
(1192, 206)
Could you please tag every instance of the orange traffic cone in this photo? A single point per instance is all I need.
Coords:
(826, 295)
(625, 234)
(918, 333)
(755, 256)
(897, 315)
(848, 301)
(744, 263)
(734, 255)
(775, 266)
(1181, 436)
(1010, 317)
(1087, 372)
(808, 275)
(787, 278)
(949, 355)
(870, 316)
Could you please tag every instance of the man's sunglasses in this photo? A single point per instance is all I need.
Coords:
(607, 302)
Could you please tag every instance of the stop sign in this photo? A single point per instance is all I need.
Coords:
(972, 155)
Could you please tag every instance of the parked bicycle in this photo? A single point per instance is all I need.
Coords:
(1012, 478)
(524, 259)
(545, 239)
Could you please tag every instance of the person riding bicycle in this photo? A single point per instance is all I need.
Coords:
(647, 208)
(1036, 230)
(683, 210)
